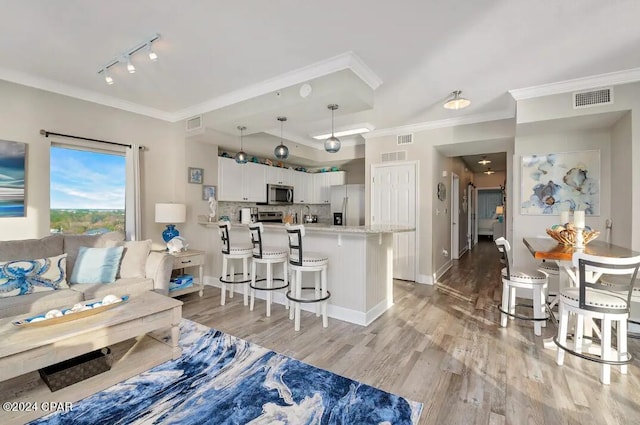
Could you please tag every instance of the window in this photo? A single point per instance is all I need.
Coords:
(87, 190)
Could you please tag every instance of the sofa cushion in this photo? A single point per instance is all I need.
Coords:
(119, 288)
(134, 257)
(72, 244)
(96, 265)
(30, 249)
(39, 302)
(22, 277)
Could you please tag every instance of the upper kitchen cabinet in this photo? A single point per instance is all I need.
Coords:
(241, 182)
(322, 185)
(278, 175)
(303, 188)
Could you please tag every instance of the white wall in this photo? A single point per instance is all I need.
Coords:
(621, 178)
(494, 180)
(25, 111)
(535, 225)
(433, 234)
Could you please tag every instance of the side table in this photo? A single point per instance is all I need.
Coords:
(186, 259)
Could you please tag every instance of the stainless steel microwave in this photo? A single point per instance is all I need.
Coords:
(279, 194)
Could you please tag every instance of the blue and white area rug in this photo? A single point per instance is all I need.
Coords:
(221, 379)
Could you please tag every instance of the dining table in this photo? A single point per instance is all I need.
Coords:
(547, 248)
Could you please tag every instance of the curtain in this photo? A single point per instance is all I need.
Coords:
(488, 200)
(133, 221)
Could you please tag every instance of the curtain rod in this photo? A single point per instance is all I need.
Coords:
(46, 133)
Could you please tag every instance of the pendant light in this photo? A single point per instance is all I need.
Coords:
(332, 144)
(457, 101)
(281, 151)
(241, 157)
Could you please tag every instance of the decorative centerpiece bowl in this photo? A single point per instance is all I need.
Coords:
(566, 235)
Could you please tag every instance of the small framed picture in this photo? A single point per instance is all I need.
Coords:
(195, 175)
(208, 192)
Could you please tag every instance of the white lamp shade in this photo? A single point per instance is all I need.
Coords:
(171, 213)
(499, 210)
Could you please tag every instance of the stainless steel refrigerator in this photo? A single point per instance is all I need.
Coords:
(348, 200)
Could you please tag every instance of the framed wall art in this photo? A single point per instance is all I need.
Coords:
(557, 182)
(208, 192)
(196, 175)
(13, 165)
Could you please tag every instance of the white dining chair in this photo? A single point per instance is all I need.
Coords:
(593, 299)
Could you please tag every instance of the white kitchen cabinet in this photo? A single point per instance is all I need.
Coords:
(303, 188)
(322, 185)
(241, 182)
(278, 175)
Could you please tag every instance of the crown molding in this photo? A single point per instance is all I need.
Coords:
(347, 60)
(432, 125)
(577, 84)
(87, 95)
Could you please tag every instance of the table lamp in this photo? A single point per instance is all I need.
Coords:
(500, 212)
(170, 214)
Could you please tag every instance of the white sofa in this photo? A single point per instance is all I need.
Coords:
(485, 226)
(157, 272)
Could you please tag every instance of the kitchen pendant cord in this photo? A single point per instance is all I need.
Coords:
(46, 133)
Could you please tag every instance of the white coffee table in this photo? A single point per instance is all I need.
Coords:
(147, 328)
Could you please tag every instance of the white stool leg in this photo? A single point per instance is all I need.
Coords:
(505, 303)
(293, 283)
(579, 333)
(232, 278)
(543, 301)
(512, 301)
(253, 283)
(317, 291)
(245, 277)
(269, 285)
(537, 307)
(298, 295)
(223, 285)
(285, 277)
(622, 344)
(605, 376)
(562, 332)
(325, 320)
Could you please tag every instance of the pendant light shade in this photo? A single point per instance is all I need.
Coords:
(281, 151)
(456, 101)
(332, 144)
(241, 157)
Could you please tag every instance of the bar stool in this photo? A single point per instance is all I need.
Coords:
(231, 252)
(302, 261)
(532, 280)
(268, 256)
(593, 299)
(552, 270)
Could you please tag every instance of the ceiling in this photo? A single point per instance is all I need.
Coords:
(387, 64)
(498, 162)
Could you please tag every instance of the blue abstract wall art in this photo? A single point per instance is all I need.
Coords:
(13, 156)
(558, 182)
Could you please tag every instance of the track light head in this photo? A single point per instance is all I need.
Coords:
(107, 78)
(130, 67)
(152, 55)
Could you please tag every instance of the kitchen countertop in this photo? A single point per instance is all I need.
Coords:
(328, 228)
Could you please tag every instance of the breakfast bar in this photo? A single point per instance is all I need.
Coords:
(360, 272)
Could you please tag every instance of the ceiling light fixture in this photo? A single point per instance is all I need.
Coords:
(332, 144)
(457, 101)
(241, 157)
(484, 161)
(281, 151)
(126, 56)
(489, 171)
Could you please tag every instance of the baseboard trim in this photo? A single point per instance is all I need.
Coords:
(443, 269)
(424, 279)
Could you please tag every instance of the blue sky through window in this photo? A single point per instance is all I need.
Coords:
(86, 180)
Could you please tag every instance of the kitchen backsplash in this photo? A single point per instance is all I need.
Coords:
(232, 210)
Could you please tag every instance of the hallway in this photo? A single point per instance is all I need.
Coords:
(441, 345)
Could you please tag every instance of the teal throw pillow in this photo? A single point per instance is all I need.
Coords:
(96, 265)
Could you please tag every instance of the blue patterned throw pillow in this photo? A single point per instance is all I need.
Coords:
(21, 277)
(96, 265)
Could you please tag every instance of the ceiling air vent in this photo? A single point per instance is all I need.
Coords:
(194, 123)
(587, 99)
(393, 156)
(405, 139)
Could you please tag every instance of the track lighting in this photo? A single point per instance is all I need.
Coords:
(126, 58)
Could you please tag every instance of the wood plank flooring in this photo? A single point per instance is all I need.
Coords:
(442, 345)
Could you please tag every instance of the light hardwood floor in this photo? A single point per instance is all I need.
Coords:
(442, 345)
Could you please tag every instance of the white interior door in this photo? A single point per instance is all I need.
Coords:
(455, 216)
(393, 201)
